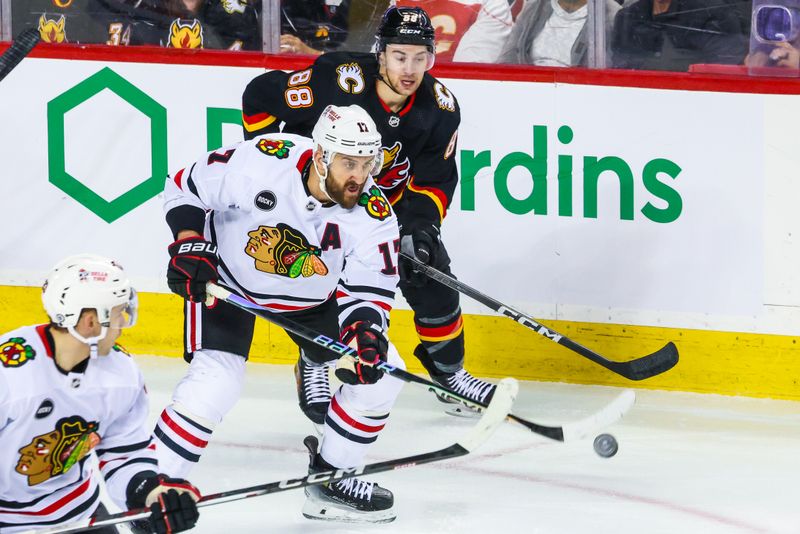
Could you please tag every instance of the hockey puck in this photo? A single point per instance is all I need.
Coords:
(606, 445)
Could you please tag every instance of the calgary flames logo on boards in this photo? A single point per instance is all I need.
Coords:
(186, 34)
(52, 30)
(393, 173)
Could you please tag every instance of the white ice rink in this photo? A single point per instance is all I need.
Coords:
(687, 463)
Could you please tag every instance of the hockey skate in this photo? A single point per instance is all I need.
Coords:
(460, 382)
(313, 390)
(351, 500)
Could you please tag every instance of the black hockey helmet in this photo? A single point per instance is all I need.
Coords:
(405, 25)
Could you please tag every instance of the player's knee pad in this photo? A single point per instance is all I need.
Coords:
(211, 387)
(378, 398)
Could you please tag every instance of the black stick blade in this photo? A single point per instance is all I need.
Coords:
(648, 366)
(20, 48)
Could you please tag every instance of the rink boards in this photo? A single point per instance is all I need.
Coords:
(623, 212)
(754, 365)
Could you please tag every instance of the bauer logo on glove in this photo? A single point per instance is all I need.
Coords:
(193, 263)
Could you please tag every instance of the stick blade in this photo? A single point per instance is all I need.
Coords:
(496, 413)
(611, 413)
(649, 366)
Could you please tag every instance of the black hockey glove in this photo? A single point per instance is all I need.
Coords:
(193, 262)
(420, 241)
(371, 344)
(172, 502)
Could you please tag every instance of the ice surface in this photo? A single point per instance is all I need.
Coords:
(687, 463)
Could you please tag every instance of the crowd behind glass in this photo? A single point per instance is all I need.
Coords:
(728, 36)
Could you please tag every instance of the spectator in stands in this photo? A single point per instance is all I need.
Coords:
(784, 55)
(467, 30)
(313, 26)
(776, 36)
(673, 34)
(220, 24)
(553, 33)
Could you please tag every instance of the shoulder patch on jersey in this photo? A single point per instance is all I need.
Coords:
(350, 78)
(16, 353)
(55, 452)
(275, 147)
(284, 251)
(375, 203)
(444, 98)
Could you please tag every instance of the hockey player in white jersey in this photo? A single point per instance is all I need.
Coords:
(66, 390)
(298, 226)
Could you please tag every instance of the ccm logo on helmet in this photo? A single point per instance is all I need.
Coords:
(197, 247)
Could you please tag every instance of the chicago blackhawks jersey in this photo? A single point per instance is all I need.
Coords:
(276, 243)
(51, 420)
(419, 172)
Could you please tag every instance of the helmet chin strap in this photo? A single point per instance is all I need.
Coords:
(91, 341)
(324, 176)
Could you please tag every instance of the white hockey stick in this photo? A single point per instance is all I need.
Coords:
(577, 430)
(492, 417)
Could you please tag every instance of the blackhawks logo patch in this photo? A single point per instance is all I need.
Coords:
(15, 353)
(275, 147)
(55, 452)
(376, 205)
(285, 251)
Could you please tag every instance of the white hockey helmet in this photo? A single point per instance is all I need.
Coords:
(87, 281)
(348, 130)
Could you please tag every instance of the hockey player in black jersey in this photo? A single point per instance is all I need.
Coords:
(418, 118)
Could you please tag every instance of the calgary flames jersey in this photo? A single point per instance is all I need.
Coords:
(280, 246)
(49, 423)
(419, 172)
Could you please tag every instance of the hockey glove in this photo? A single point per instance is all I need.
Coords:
(371, 344)
(193, 262)
(172, 502)
(420, 241)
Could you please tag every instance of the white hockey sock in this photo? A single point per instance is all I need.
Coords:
(180, 441)
(347, 434)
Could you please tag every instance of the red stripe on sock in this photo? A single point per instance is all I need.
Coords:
(352, 422)
(194, 440)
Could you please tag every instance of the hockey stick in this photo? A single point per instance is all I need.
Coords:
(648, 366)
(20, 48)
(576, 430)
(477, 435)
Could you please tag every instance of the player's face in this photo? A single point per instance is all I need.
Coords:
(404, 66)
(346, 178)
(35, 457)
(116, 324)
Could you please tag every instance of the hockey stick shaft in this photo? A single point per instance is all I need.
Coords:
(478, 434)
(340, 349)
(606, 416)
(647, 366)
(20, 48)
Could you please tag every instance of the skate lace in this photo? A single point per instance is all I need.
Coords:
(315, 383)
(467, 385)
(357, 488)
